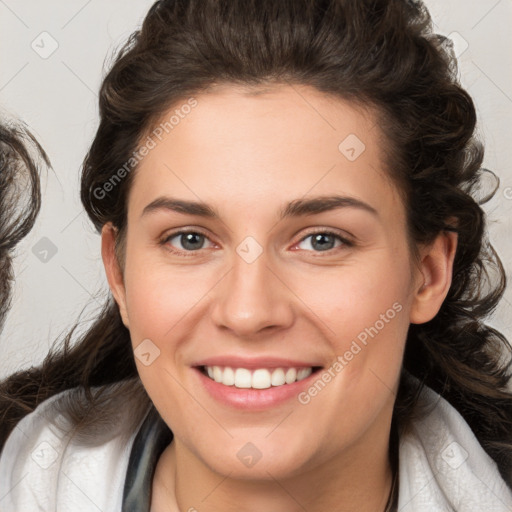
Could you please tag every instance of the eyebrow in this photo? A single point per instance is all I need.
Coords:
(295, 208)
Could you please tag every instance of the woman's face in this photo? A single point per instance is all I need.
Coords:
(275, 274)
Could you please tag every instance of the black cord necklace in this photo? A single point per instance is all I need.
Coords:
(392, 503)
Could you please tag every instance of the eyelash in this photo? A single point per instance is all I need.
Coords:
(164, 241)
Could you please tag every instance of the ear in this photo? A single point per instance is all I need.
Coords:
(435, 276)
(112, 269)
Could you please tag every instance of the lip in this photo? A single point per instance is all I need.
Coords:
(249, 399)
(256, 362)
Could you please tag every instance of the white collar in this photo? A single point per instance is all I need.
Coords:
(443, 467)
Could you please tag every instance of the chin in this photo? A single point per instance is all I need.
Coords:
(258, 460)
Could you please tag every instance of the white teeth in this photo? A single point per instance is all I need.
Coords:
(261, 378)
(242, 378)
(291, 375)
(217, 374)
(278, 377)
(228, 377)
(303, 373)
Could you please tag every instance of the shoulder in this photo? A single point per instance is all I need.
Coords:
(46, 464)
(442, 466)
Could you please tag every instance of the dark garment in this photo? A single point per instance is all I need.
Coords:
(152, 439)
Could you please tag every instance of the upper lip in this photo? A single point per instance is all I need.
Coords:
(255, 362)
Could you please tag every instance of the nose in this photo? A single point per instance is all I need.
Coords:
(252, 298)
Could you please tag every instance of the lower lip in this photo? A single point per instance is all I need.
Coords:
(253, 399)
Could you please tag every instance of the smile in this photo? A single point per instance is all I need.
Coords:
(258, 378)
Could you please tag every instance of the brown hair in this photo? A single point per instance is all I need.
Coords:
(380, 52)
(21, 158)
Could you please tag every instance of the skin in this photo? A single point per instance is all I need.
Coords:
(248, 155)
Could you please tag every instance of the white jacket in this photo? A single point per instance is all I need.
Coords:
(442, 467)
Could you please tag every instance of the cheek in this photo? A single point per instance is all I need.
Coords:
(364, 313)
(160, 302)
(154, 304)
(354, 296)
(159, 297)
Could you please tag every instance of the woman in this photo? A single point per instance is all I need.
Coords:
(298, 272)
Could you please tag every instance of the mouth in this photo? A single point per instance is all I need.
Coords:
(257, 378)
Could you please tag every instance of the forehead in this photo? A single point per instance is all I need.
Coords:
(247, 145)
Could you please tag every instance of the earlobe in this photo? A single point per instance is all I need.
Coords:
(436, 268)
(112, 269)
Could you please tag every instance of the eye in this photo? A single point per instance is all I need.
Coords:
(193, 241)
(188, 241)
(322, 241)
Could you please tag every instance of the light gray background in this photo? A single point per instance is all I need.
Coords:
(57, 97)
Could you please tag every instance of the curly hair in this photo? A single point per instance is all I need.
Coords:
(381, 53)
(20, 197)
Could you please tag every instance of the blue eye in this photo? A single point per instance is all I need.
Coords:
(324, 241)
(189, 240)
